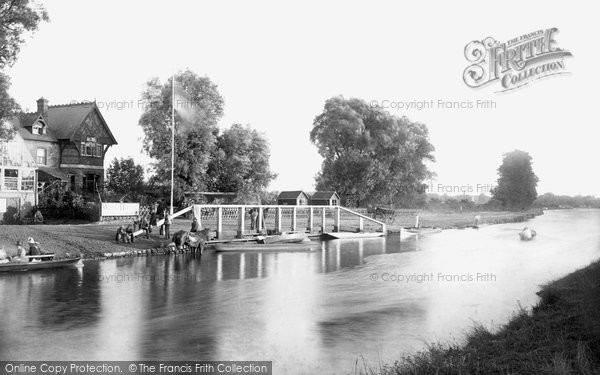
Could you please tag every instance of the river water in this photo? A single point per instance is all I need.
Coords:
(370, 300)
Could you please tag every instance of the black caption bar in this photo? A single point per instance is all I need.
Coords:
(136, 367)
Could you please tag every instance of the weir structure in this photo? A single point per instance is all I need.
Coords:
(277, 219)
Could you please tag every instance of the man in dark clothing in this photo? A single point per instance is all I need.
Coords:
(129, 233)
(167, 224)
(152, 221)
(254, 218)
(121, 235)
(145, 226)
(195, 225)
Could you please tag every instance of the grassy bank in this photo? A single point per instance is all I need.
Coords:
(94, 240)
(447, 220)
(86, 240)
(561, 335)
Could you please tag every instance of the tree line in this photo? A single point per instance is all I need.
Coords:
(369, 155)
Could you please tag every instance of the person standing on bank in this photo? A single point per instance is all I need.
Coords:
(168, 222)
(152, 219)
(195, 226)
(145, 226)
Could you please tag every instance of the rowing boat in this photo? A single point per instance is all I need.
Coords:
(41, 265)
(411, 231)
(346, 235)
(285, 237)
(275, 247)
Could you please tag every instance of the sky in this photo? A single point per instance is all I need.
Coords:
(277, 63)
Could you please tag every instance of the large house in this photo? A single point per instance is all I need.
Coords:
(57, 144)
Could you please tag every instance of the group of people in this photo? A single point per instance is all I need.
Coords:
(146, 220)
(23, 255)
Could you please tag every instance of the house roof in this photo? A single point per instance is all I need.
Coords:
(324, 195)
(54, 172)
(62, 121)
(28, 119)
(291, 194)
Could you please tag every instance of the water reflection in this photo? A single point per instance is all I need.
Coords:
(308, 312)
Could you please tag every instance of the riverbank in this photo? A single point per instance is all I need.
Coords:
(89, 241)
(452, 220)
(561, 335)
(97, 240)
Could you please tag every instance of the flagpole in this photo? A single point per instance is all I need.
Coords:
(172, 137)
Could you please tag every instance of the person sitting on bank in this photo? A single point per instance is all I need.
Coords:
(129, 233)
(121, 235)
(38, 218)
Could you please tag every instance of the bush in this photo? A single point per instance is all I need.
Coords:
(58, 202)
(11, 216)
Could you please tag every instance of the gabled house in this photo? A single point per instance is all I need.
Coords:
(61, 143)
(325, 198)
(292, 198)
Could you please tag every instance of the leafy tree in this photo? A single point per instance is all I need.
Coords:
(198, 108)
(370, 155)
(516, 188)
(17, 17)
(124, 176)
(8, 109)
(240, 163)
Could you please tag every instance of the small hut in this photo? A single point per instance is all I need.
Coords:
(325, 198)
(292, 198)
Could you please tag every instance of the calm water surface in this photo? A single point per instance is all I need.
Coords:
(307, 312)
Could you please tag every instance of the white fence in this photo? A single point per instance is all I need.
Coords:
(118, 209)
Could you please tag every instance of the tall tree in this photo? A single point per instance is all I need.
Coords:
(124, 176)
(370, 155)
(516, 188)
(198, 108)
(17, 17)
(8, 109)
(240, 162)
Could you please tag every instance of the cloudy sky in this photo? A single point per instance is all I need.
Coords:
(275, 65)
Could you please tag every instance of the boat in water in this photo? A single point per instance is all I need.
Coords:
(346, 235)
(406, 232)
(527, 234)
(304, 246)
(285, 237)
(39, 265)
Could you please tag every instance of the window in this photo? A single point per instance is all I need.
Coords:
(41, 156)
(11, 179)
(38, 128)
(28, 181)
(91, 148)
(90, 182)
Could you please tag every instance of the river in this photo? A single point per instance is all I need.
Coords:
(370, 300)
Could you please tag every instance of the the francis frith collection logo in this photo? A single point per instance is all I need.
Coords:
(514, 63)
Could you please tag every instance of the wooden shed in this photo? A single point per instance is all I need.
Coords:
(325, 198)
(292, 198)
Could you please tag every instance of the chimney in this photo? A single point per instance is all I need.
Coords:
(42, 105)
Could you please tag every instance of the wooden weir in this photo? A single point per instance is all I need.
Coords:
(324, 215)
